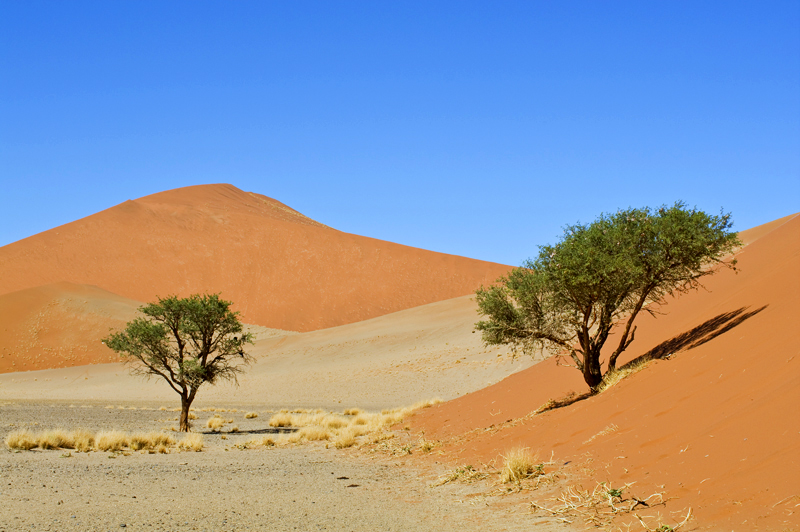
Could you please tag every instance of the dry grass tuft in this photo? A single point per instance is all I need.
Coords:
(352, 411)
(83, 440)
(518, 464)
(112, 440)
(601, 506)
(426, 446)
(21, 440)
(251, 415)
(345, 439)
(191, 442)
(55, 439)
(608, 430)
(282, 419)
(314, 433)
(150, 440)
(334, 422)
(215, 423)
(465, 473)
(613, 378)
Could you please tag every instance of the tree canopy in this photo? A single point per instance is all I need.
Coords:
(187, 342)
(601, 275)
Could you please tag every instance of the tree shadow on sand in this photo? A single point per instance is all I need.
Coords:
(705, 332)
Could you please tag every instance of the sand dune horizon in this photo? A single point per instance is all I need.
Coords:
(281, 269)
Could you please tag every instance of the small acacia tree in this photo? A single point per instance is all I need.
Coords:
(602, 275)
(187, 342)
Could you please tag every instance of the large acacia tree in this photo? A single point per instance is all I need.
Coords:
(601, 276)
(187, 342)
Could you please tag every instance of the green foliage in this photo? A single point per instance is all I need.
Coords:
(186, 341)
(600, 275)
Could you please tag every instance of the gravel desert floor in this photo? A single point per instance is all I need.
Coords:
(224, 487)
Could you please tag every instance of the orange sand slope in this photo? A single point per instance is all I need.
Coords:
(716, 425)
(59, 325)
(281, 269)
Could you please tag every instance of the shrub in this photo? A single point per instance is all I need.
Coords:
(251, 415)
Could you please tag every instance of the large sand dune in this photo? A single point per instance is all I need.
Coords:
(281, 269)
(715, 425)
(59, 325)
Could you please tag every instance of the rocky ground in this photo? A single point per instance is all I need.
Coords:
(224, 487)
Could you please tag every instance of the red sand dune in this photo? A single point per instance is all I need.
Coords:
(717, 425)
(280, 268)
(58, 326)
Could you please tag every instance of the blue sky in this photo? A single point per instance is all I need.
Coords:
(472, 128)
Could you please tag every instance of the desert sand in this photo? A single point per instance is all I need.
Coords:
(397, 359)
(59, 325)
(712, 425)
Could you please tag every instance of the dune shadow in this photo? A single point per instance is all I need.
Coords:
(705, 332)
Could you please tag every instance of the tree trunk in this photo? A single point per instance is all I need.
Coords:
(184, 423)
(592, 373)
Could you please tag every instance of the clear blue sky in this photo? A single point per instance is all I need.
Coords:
(473, 128)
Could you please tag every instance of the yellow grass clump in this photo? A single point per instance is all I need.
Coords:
(519, 463)
(55, 439)
(251, 415)
(335, 422)
(83, 440)
(191, 442)
(346, 438)
(21, 440)
(112, 440)
(314, 433)
(215, 423)
(281, 419)
(150, 440)
(352, 411)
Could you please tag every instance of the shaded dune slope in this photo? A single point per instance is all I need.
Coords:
(282, 269)
(59, 325)
(716, 424)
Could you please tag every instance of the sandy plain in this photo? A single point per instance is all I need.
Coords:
(225, 487)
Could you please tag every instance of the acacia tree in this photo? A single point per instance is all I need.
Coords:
(601, 276)
(187, 342)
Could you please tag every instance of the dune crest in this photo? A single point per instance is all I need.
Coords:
(280, 268)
